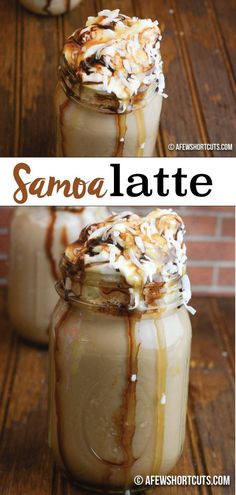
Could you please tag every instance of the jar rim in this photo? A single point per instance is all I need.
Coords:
(171, 297)
(108, 103)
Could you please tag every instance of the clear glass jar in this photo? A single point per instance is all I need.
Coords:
(50, 7)
(118, 388)
(85, 116)
(38, 238)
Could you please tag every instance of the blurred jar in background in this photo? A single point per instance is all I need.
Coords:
(50, 7)
(38, 238)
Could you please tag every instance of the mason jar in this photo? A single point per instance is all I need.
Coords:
(50, 7)
(110, 88)
(119, 383)
(38, 238)
(91, 118)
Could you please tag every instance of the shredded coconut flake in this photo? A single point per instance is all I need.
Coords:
(142, 251)
(163, 399)
(127, 60)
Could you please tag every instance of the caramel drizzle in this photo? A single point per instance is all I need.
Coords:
(64, 237)
(141, 132)
(121, 129)
(162, 363)
(184, 402)
(60, 435)
(129, 400)
(47, 7)
(49, 243)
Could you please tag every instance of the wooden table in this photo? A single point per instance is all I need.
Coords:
(199, 50)
(26, 466)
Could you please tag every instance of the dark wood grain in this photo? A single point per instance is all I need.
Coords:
(211, 401)
(181, 108)
(199, 52)
(224, 22)
(40, 45)
(26, 465)
(208, 70)
(8, 57)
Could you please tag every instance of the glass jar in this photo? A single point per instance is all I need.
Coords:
(38, 238)
(85, 116)
(118, 389)
(50, 7)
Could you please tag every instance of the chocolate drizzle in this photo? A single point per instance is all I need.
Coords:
(47, 7)
(49, 242)
(124, 61)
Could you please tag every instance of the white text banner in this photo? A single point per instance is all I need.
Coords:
(117, 181)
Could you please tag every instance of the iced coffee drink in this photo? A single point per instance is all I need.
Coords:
(50, 7)
(111, 88)
(119, 352)
(38, 238)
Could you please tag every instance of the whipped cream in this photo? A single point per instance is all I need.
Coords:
(116, 54)
(148, 253)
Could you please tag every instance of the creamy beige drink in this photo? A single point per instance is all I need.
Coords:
(111, 88)
(120, 347)
(50, 7)
(38, 238)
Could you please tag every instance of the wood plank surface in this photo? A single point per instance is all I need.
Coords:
(39, 60)
(8, 84)
(199, 52)
(209, 74)
(26, 465)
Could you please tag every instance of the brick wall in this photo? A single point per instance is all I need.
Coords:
(211, 248)
(210, 243)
